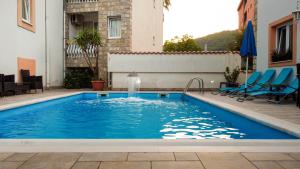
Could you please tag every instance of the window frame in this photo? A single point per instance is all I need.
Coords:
(29, 12)
(108, 26)
(273, 39)
(21, 21)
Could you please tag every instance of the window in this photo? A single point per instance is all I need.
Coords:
(26, 14)
(114, 27)
(282, 44)
(245, 3)
(26, 11)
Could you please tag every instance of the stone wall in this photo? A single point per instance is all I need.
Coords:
(105, 9)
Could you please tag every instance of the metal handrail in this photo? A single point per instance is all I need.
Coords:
(200, 82)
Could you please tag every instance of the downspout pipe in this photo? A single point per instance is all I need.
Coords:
(64, 39)
(46, 50)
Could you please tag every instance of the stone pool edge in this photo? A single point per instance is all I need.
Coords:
(273, 122)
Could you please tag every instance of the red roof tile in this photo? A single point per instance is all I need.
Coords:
(176, 53)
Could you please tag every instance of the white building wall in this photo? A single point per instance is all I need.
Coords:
(163, 71)
(147, 25)
(55, 35)
(268, 12)
(18, 42)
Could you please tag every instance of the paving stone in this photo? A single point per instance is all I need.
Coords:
(267, 165)
(51, 161)
(267, 156)
(290, 164)
(177, 165)
(104, 157)
(225, 161)
(125, 165)
(3, 156)
(20, 157)
(151, 157)
(186, 156)
(86, 165)
(10, 165)
(295, 155)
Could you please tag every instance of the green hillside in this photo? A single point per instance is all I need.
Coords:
(219, 41)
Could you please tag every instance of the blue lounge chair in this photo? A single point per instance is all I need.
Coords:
(263, 82)
(279, 81)
(251, 80)
(288, 90)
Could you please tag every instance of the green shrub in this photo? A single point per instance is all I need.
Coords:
(77, 78)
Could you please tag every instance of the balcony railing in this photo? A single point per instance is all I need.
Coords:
(74, 51)
(81, 1)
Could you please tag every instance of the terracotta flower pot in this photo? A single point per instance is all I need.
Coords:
(98, 85)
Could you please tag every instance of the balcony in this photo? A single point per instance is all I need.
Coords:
(75, 58)
(80, 1)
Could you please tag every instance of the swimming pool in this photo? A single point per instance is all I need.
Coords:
(117, 116)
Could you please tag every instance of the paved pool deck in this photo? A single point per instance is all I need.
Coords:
(286, 112)
(150, 160)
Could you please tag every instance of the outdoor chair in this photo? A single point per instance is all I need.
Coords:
(9, 84)
(251, 81)
(284, 92)
(1, 84)
(34, 82)
(262, 83)
(278, 82)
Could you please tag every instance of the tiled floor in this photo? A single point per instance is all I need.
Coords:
(33, 95)
(150, 161)
(287, 110)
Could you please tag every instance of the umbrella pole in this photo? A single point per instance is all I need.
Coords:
(246, 81)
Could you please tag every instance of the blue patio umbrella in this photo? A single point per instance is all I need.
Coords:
(248, 48)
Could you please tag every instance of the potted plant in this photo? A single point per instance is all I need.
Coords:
(89, 41)
(281, 56)
(231, 77)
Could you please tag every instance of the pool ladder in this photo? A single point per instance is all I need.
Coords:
(200, 82)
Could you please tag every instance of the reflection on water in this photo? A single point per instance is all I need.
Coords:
(168, 119)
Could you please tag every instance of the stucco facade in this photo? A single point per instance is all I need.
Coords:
(266, 17)
(171, 71)
(42, 46)
(246, 11)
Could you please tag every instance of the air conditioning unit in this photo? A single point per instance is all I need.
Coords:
(77, 19)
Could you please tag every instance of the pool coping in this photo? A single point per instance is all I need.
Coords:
(282, 125)
(158, 145)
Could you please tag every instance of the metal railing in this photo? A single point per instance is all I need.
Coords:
(74, 51)
(200, 83)
(81, 1)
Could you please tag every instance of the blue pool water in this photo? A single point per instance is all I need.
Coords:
(117, 116)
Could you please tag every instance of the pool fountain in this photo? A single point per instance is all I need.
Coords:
(134, 83)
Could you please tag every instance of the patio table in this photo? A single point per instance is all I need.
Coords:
(21, 88)
(277, 87)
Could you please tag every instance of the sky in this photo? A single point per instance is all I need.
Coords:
(200, 17)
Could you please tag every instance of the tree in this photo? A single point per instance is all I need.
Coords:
(185, 43)
(236, 45)
(89, 42)
(167, 4)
